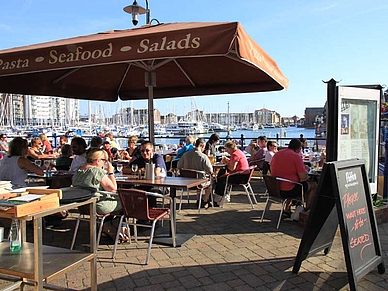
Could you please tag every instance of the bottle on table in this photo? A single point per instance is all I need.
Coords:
(15, 236)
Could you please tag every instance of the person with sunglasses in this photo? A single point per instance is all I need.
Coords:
(93, 175)
(3, 143)
(35, 152)
(148, 155)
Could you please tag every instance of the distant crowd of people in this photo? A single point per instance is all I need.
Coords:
(92, 165)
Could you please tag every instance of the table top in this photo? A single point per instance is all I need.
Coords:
(219, 165)
(174, 182)
(51, 174)
(314, 173)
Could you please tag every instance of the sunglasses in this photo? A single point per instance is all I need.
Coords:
(145, 151)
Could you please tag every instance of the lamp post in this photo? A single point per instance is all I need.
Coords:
(150, 75)
(136, 10)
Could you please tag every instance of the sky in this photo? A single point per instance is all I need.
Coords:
(311, 41)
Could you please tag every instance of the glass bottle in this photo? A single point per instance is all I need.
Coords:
(15, 236)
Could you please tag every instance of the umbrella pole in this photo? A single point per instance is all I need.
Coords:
(150, 78)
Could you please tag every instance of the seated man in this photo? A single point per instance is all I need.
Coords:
(78, 146)
(288, 164)
(148, 155)
(258, 153)
(195, 159)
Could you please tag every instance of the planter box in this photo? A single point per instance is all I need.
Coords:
(381, 214)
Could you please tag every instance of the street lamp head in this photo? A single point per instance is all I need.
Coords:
(136, 10)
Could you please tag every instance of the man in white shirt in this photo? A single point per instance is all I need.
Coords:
(78, 145)
(195, 159)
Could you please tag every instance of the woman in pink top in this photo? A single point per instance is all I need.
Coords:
(235, 163)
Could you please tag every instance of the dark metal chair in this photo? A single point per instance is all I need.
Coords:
(191, 173)
(273, 194)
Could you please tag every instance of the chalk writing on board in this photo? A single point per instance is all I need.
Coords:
(356, 215)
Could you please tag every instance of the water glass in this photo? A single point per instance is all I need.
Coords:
(47, 164)
(134, 168)
(38, 163)
(119, 168)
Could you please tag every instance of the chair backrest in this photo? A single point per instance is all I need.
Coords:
(244, 176)
(134, 203)
(265, 168)
(272, 185)
(251, 170)
(191, 173)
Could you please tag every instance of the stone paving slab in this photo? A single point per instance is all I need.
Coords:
(232, 250)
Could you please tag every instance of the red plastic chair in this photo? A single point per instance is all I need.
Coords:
(135, 207)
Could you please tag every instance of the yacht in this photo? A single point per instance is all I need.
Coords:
(217, 127)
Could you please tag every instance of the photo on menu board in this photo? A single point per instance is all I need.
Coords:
(344, 123)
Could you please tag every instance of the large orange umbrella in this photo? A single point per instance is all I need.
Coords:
(159, 61)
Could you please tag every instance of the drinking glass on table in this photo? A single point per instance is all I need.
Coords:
(47, 164)
(315, 165)
(119, 168)
(134, 168)
(38, 163)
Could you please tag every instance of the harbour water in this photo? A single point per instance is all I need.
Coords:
(270, 133)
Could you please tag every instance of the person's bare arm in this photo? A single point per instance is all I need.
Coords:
(34, 155)
(232, 165)
(3, 147)
(24, 163)
(109, 182)
(158, 171)
(303, 176)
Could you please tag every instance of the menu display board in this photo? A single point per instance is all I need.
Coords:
(343, 198)
(358, 125)
(356, 216)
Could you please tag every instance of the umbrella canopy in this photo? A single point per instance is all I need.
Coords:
(159, 61)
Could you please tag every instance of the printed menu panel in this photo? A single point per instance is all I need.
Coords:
(358, 124)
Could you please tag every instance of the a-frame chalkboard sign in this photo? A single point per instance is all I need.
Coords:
(343, 197)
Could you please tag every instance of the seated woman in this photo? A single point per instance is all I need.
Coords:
(63, 162)
(235, 163)
(133, 151)
(15, 165)
(35, 152)
(210, 148)
(47, 148)
(92, 175)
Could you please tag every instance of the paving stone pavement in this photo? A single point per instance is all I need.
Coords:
(231, 250)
